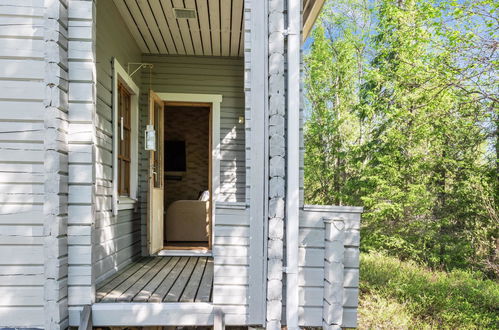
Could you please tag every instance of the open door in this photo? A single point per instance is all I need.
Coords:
(155, 207)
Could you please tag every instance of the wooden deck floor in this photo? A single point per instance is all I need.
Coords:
(160, 279)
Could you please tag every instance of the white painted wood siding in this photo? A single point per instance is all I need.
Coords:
(311, 263)
(256, 142)
(33, 164)
(231, 261)
(202, 75)
(210, 75)
(117, 238)
(81, 140)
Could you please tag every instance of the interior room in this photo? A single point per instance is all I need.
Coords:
(187, 198)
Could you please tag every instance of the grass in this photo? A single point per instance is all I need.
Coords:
(404, 295)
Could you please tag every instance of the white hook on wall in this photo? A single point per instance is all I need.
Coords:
(139, 66)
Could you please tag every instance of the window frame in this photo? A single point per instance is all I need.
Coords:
(124, 140)
(121, 77)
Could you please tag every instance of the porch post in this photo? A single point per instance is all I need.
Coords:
(256, 142)
(82, 168)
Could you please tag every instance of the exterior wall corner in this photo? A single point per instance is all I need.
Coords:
(56, 166)
(81, 155)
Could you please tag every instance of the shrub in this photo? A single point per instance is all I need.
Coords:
(433, 299)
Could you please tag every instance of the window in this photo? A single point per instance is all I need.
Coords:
(124, 144)
(125, 139)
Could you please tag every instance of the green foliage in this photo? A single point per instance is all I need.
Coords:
(397, 294)
(403, 119)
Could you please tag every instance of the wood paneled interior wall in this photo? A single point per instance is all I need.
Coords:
(191, 125)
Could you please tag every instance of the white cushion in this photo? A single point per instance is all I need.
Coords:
(205, 196)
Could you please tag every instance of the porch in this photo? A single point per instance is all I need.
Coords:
(160, 279)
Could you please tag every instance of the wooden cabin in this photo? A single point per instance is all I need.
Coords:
(151, 167)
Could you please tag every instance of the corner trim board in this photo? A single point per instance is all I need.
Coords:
(257, 192)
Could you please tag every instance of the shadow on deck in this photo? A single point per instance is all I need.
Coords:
(160, 279)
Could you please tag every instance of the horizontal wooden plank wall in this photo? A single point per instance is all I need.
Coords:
(231, 262)
(311, 263)
(81, 198)
(33, 164)
(210, 75)
(117, 238)
(201, 75)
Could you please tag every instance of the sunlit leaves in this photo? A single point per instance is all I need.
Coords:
(402, 118)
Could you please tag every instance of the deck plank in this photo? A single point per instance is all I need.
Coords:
(179, 285)
(168, 282)
(153, 285)
(157, 279)
(118, 274)
(117, 291)
(137, 286)
(192, 286)
(205, 287)
(118, 278)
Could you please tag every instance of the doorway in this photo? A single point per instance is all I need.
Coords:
(187, 198)
(180, 210)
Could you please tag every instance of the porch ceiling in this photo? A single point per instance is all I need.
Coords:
(216, 30)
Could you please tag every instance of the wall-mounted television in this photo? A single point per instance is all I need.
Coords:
(175, 156)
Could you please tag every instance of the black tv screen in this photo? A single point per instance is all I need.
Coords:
(175, 156)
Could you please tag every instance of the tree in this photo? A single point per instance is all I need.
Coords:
(334, 70)
(403, 120)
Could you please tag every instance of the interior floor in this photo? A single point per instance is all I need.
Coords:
(160, 279)
(186, 246)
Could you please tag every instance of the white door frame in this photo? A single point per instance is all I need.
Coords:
(215, 101)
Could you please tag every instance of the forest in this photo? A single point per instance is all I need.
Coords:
(402, 118)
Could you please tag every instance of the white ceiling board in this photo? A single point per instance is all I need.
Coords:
(134, 30)
(173, 26)
(241, 43)
(134, 9)
(194, 28)
(214, 14)
(204, 25)
(145, 8)
(216, 30)
(184, 29)
(237, 20)
(157, 8)
(225, 18)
